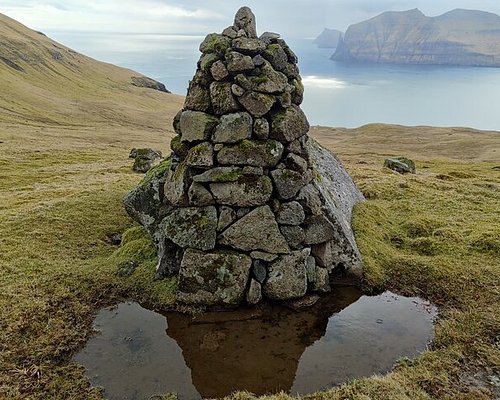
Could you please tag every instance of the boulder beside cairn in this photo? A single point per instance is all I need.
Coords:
(247, 207)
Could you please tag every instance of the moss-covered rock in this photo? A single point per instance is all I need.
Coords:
(247, 191)
(258, 153)
(215, 43)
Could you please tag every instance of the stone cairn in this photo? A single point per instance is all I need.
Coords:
(247, 207)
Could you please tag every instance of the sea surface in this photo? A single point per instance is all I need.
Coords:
(337, 94)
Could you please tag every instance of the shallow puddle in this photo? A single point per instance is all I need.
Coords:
(139, 353)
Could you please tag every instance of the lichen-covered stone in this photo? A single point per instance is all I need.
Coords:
(198, 98)
(237, 90)
(248, 191)
(254, 295)
(318, 229)
(261, 128)
(201, 156)
(211, 279)
(294, 235)
(219, 174)
(257, 104)
(265, 153)
(227, 216)
(290, 213)
(233, 128)
(237, 62)
(402, 165)
(287, 277)
(321, 282)
(230, 32)
(309, 198)
(206, 62)
(323, 254)
(269, 81)
(257, 230)
(219, 71)
(180, 148)
(289, 124)
(261, 255)
(223, 100)
(296, 163)
(245, 20)
(288, 183)
(269, 37)
(249, 46)
(215, 43)
(192, 227)
(275, 54)
(298, 93)
(176, 185)
(199, 196)
(197, 126)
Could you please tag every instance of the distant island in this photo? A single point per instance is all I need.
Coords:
(459, 37)
(328, 39)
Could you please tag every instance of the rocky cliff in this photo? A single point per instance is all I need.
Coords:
(459, 37)
(329, 38)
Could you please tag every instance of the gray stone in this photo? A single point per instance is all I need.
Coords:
(261, 128)
(199, 196)
(321, 281)
(192, 227)
(230, 32)
(275, 54)
(169, 257)
(269, 37)
(296, 163)
(243, 81)
(259, 270)
(270, 81)
(292, 72)
(233, 128)
(298, 93)
(215, 43)
(219, 174)
(254, 295)
(249, 46)
(198, 98)
(237, 62)
(289, 124)
(206, 62)
(257, 104)
(248, 191)
(265, 153)
(146, 153)
(247, 170)
(309, 198)
(219, 71)
(311, 269)
(197, 126)
(245, 19)
(261, 255)
(287, 277)
(288, 183)
(142, 164)
(218, 147)
(211, 279)
(292, 57)
(294, 235)
(226, 217)
(402, 165)
(241, 33)
(176, 122)
(257, 230)
(285, 99)
(258, 60)
(237, 90)
(176, 185)
(180, 148)
(201, 156)
(241, 212)
(318, 229)
(290, 213)
(223, 101)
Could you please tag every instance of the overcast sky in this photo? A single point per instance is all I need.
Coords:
(292, 18)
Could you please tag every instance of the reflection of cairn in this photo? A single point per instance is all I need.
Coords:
(249, 209)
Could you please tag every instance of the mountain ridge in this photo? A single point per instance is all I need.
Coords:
(458, 37)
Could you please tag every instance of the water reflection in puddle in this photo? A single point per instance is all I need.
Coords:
(139, 353)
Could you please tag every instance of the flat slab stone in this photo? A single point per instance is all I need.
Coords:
(248, 191)
(257, 153)
(213, 279)
(258, 230)
(219, 174)
(192, 227)
(287, 278)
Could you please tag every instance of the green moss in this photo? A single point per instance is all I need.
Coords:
(157, 172)
(215, 43)
(231, 176)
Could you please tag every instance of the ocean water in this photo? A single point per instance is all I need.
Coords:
(337, 94)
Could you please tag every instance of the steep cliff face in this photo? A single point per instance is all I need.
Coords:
(459, 37)
(329, 38)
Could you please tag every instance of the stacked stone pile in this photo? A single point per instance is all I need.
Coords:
(241, 210)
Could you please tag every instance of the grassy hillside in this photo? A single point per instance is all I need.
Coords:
(64, 169)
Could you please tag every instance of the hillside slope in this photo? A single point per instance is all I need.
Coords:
(459, 37)
(44, 82)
